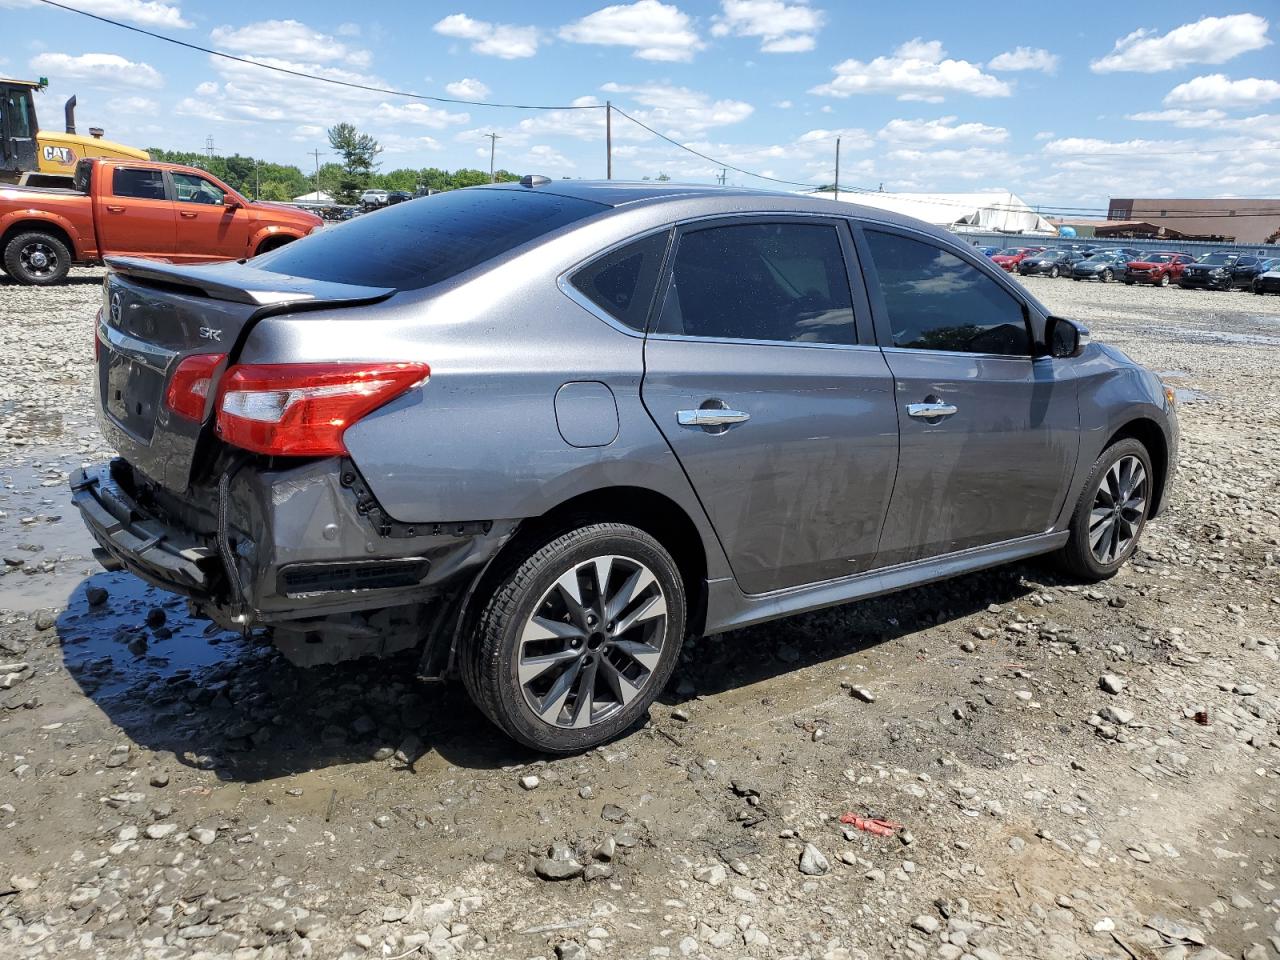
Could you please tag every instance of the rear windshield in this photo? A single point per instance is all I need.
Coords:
(415, 244)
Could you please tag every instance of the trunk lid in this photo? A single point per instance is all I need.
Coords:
(155, 315)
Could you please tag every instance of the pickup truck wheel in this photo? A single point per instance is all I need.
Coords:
(577, 639)
(37, 259)
(1110, 514)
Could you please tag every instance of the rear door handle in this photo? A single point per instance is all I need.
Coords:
(114, 209)
(711, 417)
(927, 411)
(186, 215)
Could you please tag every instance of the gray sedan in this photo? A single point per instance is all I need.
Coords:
(1103, 267)
(537, 433)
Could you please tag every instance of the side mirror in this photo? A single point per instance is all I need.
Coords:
(1065, 338)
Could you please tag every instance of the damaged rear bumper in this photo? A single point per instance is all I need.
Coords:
(302, 549)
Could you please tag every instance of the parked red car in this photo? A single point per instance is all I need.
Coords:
(1160, 269)
(136, 208)
(1010, 257)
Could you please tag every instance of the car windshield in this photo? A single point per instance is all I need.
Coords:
(1011, 251)
(1156, 258)
(1101, 257)
(1218, 259)
(407, 246)
(1048, 254)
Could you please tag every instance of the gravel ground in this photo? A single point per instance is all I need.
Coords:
(1080, 772)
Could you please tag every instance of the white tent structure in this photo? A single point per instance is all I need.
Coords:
(997, 211)
(315, 196)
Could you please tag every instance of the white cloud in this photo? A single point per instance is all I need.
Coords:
(417, 114)
(1192, 119)
(543, 157)
(942, 130)
(207, 89)
(1208, 40)
(348, 30)
(134, 105)
(782, 27)
(149, 13)
(1215, 90)
(917, 70)
(503, 40)
(105, 68)
(467, 89)
(1045, 135)
(288, 38)
(678, 111)
(961, 163)
(1025, 58)
(656, 31)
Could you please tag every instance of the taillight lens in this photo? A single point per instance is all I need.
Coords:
(302, 409)
(189, 387)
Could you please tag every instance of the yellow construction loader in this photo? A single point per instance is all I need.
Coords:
(43, 158)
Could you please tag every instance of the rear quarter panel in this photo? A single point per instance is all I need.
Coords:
(480, 441)
(69, 211)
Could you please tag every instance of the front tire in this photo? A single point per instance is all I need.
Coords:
(1053, 273)
(1107, 276)
(1111, 512)
(577, 639)
(37, 259)
(1164, 280)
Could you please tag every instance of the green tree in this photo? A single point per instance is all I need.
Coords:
(359, 153)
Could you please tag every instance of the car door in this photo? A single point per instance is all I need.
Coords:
(764, 377)
(212, 223)
(133, 213)
(989, 435)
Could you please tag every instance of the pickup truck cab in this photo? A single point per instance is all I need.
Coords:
(137, 208)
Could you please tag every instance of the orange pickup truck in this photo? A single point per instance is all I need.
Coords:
(136, 208)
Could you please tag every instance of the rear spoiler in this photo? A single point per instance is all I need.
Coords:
(240, 283)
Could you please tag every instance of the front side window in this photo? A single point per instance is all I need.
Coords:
(936, 301)
(192, 189)
(782, 282)
(133, 182)
(621, 282)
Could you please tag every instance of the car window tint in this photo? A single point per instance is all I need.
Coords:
(131, 182)
(192, 189)
(936, 301)
(621, 282)
(407, 246)
(779, 281)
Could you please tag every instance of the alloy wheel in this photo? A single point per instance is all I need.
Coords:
(1119, 507)
(39, 259)
(593, 641)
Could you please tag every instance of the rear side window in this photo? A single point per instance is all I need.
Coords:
(621, 282)
(936, 301)
(144, 184)
(784, 282)
(412, 245)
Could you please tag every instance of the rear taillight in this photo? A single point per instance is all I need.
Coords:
(190, 385)
(302, 409)
(97, 341)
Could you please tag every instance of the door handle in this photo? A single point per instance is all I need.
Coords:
(114, 209)
(711, 417)
(928, 411)
(186, 215)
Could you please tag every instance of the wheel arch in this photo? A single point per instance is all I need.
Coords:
(41, 225)
(1147, 432)
(273, 241)
(655, 513)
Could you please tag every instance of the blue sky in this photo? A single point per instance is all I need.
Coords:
(1063, 105)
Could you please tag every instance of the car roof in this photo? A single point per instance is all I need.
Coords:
(623, 193)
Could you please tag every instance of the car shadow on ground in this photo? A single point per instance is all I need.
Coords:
(74, 281)
(232, 705)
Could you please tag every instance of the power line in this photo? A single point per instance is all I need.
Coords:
(311, 76)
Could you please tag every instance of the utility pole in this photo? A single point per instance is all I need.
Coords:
(837, 188)
(493, 145)
(608, 139)
(255, 178)
(316, 154)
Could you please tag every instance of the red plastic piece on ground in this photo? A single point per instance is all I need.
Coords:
(881, 828)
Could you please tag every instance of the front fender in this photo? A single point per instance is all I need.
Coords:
(270, 231)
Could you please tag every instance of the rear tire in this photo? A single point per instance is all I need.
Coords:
(552, 641)
(1110, 514)
(37, 259)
